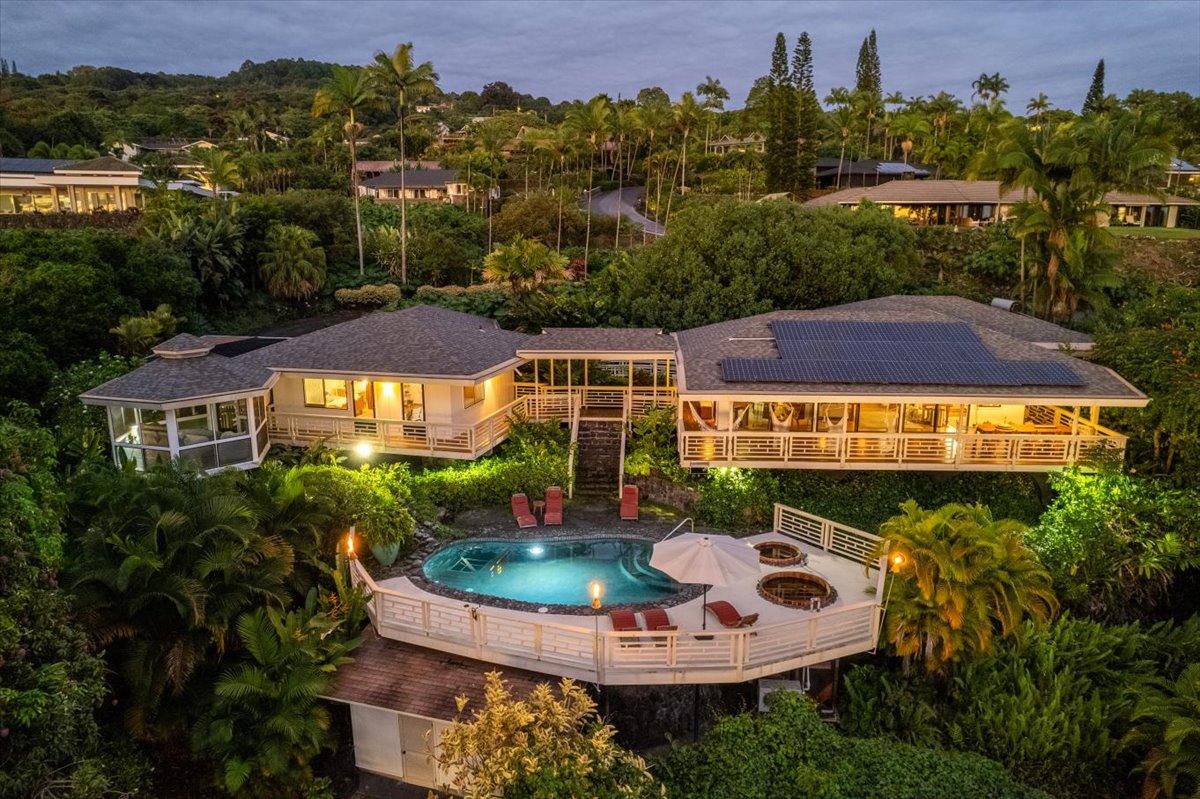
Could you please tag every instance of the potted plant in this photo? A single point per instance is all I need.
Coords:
(385, 525)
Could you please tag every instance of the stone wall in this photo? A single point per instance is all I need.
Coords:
(664, 492)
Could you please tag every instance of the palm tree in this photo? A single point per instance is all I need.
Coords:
(656, 120)
(556, 144)
(1166, 719)
(406, 82)
(524, 264)
(843, 120)
(590, 122)
(959, 578)
(714, 95)
(347, 91)
(216, 171)
(688, 113)
(1037, 106)
(293, 265)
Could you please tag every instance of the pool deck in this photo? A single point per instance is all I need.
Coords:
(584, 646)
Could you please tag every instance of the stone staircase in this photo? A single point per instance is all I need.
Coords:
(598, 459)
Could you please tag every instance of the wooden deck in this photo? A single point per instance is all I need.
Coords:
(588, 649)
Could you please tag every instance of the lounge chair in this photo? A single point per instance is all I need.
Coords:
(520, 509)
(624, 621)
(553, 512)
(657, 621)
(629, 503)
(728, 616)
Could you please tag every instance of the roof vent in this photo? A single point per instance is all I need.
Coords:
(1006, 305)
(185, 345)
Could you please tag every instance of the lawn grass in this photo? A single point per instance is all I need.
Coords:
(1169, 233)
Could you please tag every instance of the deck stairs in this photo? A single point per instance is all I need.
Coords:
(598, 464)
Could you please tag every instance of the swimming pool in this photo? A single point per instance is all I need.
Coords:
(552, 572)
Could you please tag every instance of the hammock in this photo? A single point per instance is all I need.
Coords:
(703, 425)
(741, 417)
(840, 425)
(782, 424)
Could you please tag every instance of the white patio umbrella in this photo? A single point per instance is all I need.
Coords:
(706, 559)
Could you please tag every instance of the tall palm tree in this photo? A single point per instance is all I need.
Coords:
(555, 144)
(959, 578)
(590, 122)
(346, 92)
(217, 171)
(843, 122)
(688, 113)
(406, 81)
(293, 265)
(1038, 106)
(656, 120)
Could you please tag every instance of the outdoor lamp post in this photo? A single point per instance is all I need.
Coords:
(350, 553)
(597, 590)
(898, 560)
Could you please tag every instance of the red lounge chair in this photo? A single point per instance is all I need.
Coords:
(629, 503)
(520, 509)
(624, 621)
(728, 616)
(657, 621)
(553, 512)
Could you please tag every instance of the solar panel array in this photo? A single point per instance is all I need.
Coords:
(905, 353)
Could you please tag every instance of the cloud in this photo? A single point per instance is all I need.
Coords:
(575, 50)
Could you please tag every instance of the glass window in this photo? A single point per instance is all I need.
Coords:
(231, 419)
(926, 418)
(699, 415)
(751, 416)
(260, 411)
(414, 402)
(124, 424)
(364, 399)
(325, 394)
(193, 425)
(472, 395)
(791, 417)
(874, 417)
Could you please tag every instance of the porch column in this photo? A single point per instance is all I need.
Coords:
(1075, 421)
(172, 435)
(252, 423)
(1095, 419)
(54, 198)
(120, 198)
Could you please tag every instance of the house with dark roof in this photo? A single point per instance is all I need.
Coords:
(163, 145)
(916, 383)
(1181, 174)
(981, 202)
(54, 185)
(420, 185)
(839, 172)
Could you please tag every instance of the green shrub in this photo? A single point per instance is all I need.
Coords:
(369, 295)
(789, 753)
(373, 498)
(738, 499)
(653, 449)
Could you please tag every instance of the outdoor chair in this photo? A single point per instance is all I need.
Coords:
(624, 621)
(629, 503)
(554, 511)
(728, 615)
(520, 509)
(657, 621)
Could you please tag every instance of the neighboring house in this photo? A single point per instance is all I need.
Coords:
(188, 186)
(865, 173)
(972, 202)
(728, 144)
(906, 383)
(448, 138)
(48, 185)
(164, 146)
(1181, 174)
(371, 169)
(422, 185)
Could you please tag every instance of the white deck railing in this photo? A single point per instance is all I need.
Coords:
(436, 439)
(586, 651)
(631, 400)
(920, 450)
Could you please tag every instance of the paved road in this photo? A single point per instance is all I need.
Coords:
(605, 203)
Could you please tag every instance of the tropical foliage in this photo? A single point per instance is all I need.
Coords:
(293, 266)
(547, 746)
(959, 579)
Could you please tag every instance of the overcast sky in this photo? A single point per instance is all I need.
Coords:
(575, 50)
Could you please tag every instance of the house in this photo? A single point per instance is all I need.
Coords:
(1181, 174)
(163, 146)
(901, 383)
(187, 186)
(755, 143)
(972, 202)
(371, 169)
(831, 172)
(49, 185)
(422, 185)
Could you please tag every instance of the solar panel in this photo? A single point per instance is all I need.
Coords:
(903, 353)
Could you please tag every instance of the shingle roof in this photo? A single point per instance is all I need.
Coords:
(34, 166)
(702, 350)
(184, 342)
(599, 339)
(956, 192)
(415, 178)
(871, 166)
(1019, 326)
(405, 678)
(164, 380)
(104, 164)
(421, 340)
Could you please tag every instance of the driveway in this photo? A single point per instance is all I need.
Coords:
(605, 203)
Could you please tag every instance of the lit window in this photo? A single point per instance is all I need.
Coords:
(472, 395)
(325, 394)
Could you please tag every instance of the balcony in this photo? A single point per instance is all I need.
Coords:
(431, 439)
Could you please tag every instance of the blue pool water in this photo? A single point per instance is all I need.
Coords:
(552, 572)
